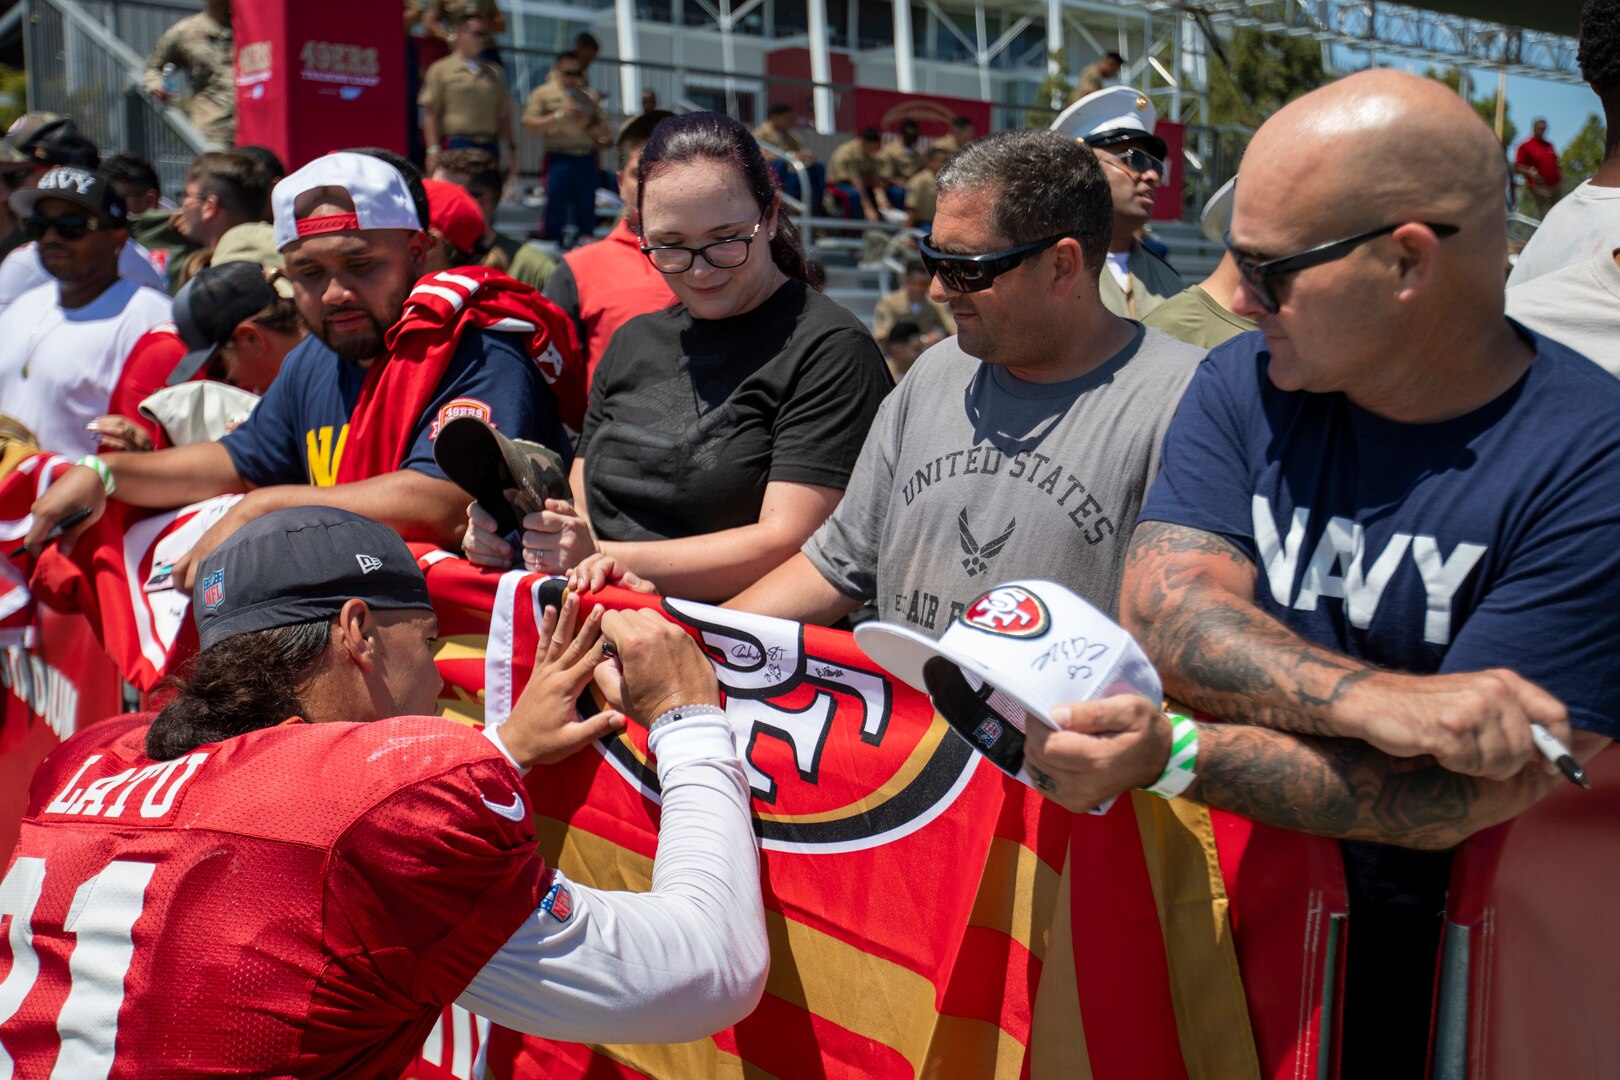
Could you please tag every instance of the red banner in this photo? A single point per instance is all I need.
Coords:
(59, 684)
(885, 109)
(313, 78)
(1167, 199)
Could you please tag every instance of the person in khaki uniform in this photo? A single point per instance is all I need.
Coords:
(201, 45)
(911, 303)
(1202, 314)
(922, 190)
(776, 136)
(563, 110)
(1092, 75)
(962, 132)
(904, 158)
(465, 103)
(1117, 124)
(858, 173)
(442, 16)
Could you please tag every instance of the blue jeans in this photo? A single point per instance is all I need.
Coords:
(788, 179)
(456, 142)
(571, 187)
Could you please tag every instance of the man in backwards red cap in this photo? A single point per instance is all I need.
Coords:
(351, 419)
(455, 224)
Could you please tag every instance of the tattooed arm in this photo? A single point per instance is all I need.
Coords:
(1188, 596)
(1344, 788)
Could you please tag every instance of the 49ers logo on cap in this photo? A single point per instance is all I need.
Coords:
(465, 406)
(1010, 610)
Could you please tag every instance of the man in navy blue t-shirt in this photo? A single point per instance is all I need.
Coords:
(349, 227)
(1386, 535)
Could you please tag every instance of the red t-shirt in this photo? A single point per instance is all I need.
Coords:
(298, 901)
(1540, 155)
(153, 359)
(612, 283)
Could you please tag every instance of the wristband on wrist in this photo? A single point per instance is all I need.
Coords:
(671, 717)
(1180, 770)
(99, 467)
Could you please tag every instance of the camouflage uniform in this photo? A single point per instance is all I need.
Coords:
(202, 48)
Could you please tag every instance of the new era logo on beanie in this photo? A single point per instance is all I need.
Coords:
(1016, 652)
(299, 565)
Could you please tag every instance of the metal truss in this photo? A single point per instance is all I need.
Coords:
(1398, 30)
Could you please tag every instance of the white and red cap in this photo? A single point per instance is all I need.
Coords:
(1017, 651)
(381, 197)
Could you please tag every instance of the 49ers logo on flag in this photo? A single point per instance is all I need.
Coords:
(461, 407)
(1010, 610)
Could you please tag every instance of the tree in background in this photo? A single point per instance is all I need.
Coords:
(1050, 97)
(1253, 74)
(13, 95)
(1583, 153)
(1485, 104)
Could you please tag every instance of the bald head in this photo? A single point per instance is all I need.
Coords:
(1372, 148)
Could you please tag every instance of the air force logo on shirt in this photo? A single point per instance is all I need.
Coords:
(1338, 567)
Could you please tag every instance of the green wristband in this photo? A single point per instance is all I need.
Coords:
(1179, 771)
(99, 467)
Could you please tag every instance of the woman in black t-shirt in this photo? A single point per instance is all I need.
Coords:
(722, 430)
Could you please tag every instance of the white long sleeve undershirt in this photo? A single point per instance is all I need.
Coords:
(671, 965)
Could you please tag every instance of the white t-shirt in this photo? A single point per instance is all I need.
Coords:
(1578, 306)
(1119, 264)
(1581, 224)
(22, 270)
(58, 366)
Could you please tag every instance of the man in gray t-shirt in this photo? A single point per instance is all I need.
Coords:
(971, 476)
(1023, 446)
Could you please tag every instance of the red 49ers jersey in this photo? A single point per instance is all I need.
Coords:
(298, 901)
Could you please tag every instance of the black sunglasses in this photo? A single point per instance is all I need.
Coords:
(976, 273)
(67, 226)
(1260, 277)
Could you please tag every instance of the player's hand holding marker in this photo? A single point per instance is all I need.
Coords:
(545, 725)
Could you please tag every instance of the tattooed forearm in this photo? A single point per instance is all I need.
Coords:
(1346, 789)
(1187, 598)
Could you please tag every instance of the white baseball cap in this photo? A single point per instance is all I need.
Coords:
(381, 196)
(1017, 651)
(1217, 215)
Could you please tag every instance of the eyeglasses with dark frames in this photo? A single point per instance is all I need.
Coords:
(976, 273)
(1261, 276)
(729, 254)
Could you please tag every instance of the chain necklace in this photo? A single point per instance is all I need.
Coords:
(40, 333)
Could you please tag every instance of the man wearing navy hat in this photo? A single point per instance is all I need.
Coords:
(64, 343)
(333, 428)
(1117, 123)
(301, 861)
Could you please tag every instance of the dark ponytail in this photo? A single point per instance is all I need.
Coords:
(707, 136)
(244, 683)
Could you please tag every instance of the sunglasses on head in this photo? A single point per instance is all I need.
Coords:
(1135, 159)
(1260, 276)
(975, 273)
(67, 226)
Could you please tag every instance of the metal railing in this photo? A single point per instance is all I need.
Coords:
(78, 67)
